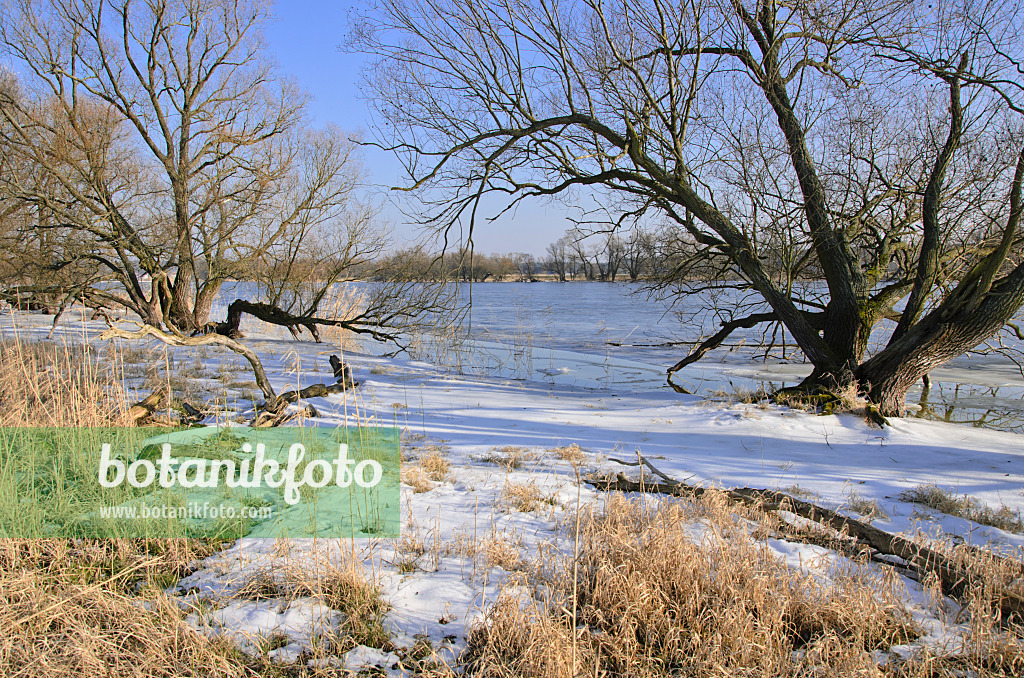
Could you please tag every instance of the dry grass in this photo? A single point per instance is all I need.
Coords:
(869, 509)
(994, 574)
(408, 551)
(96, 608)
(343, 587)
(501, 551)
(739, 394)
(845, 400)
(51, 384)
(801, 492)
(932, 496)
(573, 454)
(182, 380)
(525, 497)
(435, 465)
(647, 598)
(651, 596)
(75, 610)
(91, 607)
(509, 457)
(417, 479)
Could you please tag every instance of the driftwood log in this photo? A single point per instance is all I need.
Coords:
(142, 411)
(916, 557)
(314, 391)
(274, 414)
(269, 419)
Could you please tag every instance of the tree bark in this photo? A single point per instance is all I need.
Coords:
(267, 313)
(947, 332)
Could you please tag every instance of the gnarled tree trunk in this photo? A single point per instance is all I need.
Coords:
(945, 333)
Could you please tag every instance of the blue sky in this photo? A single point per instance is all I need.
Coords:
(305, 38)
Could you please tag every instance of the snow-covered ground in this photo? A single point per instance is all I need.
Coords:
(440, 590)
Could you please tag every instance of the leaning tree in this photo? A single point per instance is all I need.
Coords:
(152, 154)
(857, 164)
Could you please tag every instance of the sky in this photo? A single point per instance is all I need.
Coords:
(305, 38)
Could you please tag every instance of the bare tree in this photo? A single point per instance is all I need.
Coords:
(875, 146)
(613, 250)
(638, 255)
(557, 258)
(157, 137)
(582, 253)
(526, 265)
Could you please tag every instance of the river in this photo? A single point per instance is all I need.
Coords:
(599, 335)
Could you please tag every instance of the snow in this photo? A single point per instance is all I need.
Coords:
(712, 443)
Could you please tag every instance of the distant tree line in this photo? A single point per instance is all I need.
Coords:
(602, 256)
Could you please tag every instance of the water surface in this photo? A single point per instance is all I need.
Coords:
(603, 335)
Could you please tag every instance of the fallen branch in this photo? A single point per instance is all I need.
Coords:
(720, 336)
(361, 323)
(315, 391)
(955, 580)
(192, 415)
(270, 419)
(668, 479)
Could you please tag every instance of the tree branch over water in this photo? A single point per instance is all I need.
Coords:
(791, 148)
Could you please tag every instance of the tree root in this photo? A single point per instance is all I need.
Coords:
(920, 559)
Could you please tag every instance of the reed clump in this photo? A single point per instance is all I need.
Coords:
(95, 608)
(683, 588)
(45, 383)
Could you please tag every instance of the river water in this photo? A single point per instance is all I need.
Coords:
(599, 335)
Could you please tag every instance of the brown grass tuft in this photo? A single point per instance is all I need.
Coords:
(869, 509)
(509, 457)
(500, 551)
(525, 497)
(932, 496)
(436, 465)
(417, 479)
(342, 587)
(573, 454)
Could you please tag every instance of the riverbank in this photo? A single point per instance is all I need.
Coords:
(491, 496)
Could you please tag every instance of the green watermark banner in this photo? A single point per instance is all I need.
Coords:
(226, 483)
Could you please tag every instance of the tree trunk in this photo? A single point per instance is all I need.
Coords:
(887, 382)
(950, 330)
(204, 302)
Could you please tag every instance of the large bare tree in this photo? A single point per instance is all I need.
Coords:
(872, 146)
(153, 145)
